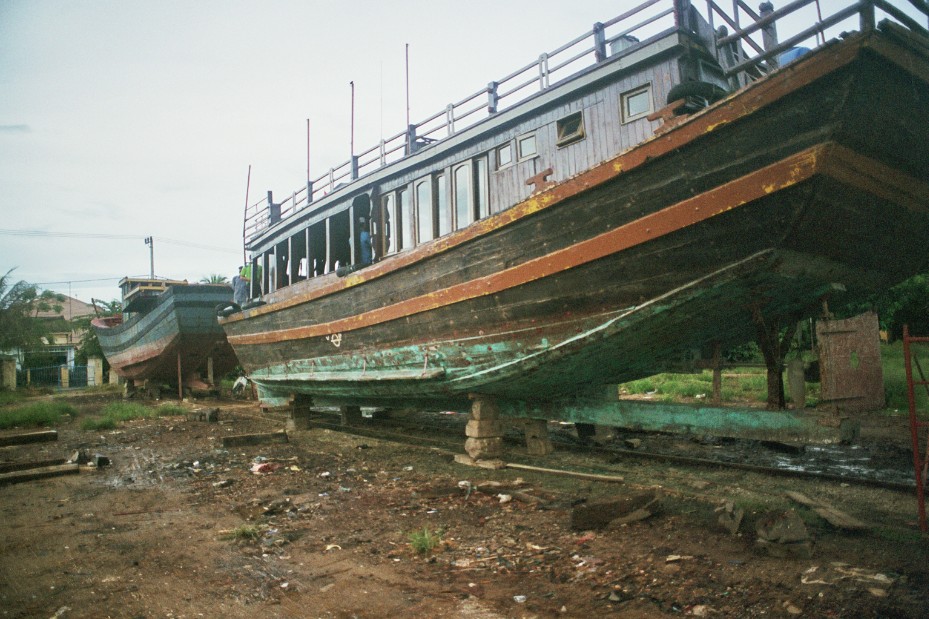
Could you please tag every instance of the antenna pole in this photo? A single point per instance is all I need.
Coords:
(248, 182)
(408, 86)
(309, 198)
(352, 84)
(150, 241)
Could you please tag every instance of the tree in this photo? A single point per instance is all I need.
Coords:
(214, 278)
(20, 304)
(90, 345)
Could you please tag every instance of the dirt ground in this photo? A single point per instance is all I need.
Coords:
(162, 532)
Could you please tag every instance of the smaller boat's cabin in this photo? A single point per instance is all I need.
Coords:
(140, 293)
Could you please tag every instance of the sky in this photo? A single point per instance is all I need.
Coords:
(127, 119)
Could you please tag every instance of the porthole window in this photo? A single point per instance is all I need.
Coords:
(526, 146)
(636, 103)
(570, 129)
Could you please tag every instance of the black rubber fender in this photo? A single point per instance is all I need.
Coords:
(705, 90)
(227, 309)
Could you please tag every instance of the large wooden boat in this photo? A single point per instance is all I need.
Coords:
(681, 192)
(167, 333)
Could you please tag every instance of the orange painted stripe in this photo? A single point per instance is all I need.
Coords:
(740, 104)
(734, 194)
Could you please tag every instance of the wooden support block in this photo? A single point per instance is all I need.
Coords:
(351, 415)
(29, 437)
(539, 446)
(42, 473)
(254, 439)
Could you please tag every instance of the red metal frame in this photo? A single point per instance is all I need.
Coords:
(920, 461)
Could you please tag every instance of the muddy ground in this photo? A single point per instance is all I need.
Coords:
(178, 526)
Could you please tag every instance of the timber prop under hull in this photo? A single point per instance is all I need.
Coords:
(803, 185)
(181, 328)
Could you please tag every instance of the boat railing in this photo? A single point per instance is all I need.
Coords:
(750, 51)
(754, 50)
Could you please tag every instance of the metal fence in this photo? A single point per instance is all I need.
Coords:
(56, 377)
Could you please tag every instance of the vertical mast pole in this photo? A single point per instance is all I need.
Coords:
(248, 182)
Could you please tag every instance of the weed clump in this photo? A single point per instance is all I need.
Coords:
(423, 542)
(38, 414)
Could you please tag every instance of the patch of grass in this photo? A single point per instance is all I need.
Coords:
(10, 397)
(899, 535)
(170, 410)
(98, 423)
(423, 542)
(243, 533)
(38, 414)
(117, 412)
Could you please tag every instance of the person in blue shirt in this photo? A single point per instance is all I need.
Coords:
(364, 240)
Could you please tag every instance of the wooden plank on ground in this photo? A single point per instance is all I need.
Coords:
(22, 466)
(29, 437)
(827, 512)
(49, 471)
(239, 440)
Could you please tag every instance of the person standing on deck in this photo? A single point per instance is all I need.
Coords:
(364, 240)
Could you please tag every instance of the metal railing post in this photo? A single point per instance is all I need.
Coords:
(599, 42)
(867, 15)
(492, 98)
(769, 32)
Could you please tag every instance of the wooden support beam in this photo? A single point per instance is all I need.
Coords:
(23, 466)
(42, 473)
(29, 437)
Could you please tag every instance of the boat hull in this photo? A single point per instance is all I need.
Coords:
(754, 210)
(179, 334)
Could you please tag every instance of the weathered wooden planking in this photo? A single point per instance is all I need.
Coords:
(22, 466)
(41, 473)
(29, 437)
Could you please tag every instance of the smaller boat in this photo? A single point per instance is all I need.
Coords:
(167, 334)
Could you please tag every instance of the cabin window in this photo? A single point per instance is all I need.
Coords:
(443, 207)
(526, 147)
(424, 218)
(504, 155)
(318, 251)
(405, 219)
(637, 103)
(464, 211)
(481, 196)
(388, 217)
(570, 129)
(340, 240)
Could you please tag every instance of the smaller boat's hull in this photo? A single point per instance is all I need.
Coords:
(178, 337)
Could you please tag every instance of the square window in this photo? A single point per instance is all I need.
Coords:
(570, 129)
(504, 155)
(526, 146)
(637, 103)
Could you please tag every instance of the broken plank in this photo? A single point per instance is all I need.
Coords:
(827, 512)
(239, 440)
(28, 437)
(42, 473)
(23, 466)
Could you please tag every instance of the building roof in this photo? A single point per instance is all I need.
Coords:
(70, 308)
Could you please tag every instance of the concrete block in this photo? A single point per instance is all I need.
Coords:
(484, 448)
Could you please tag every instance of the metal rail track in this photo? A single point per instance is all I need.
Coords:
(382, 431)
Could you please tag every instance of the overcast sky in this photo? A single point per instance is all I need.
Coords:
(125, 119)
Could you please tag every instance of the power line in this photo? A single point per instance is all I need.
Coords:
(91, 235)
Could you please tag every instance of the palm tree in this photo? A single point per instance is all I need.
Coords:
(214, 278)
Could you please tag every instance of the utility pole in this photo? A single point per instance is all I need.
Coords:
(150, 241)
